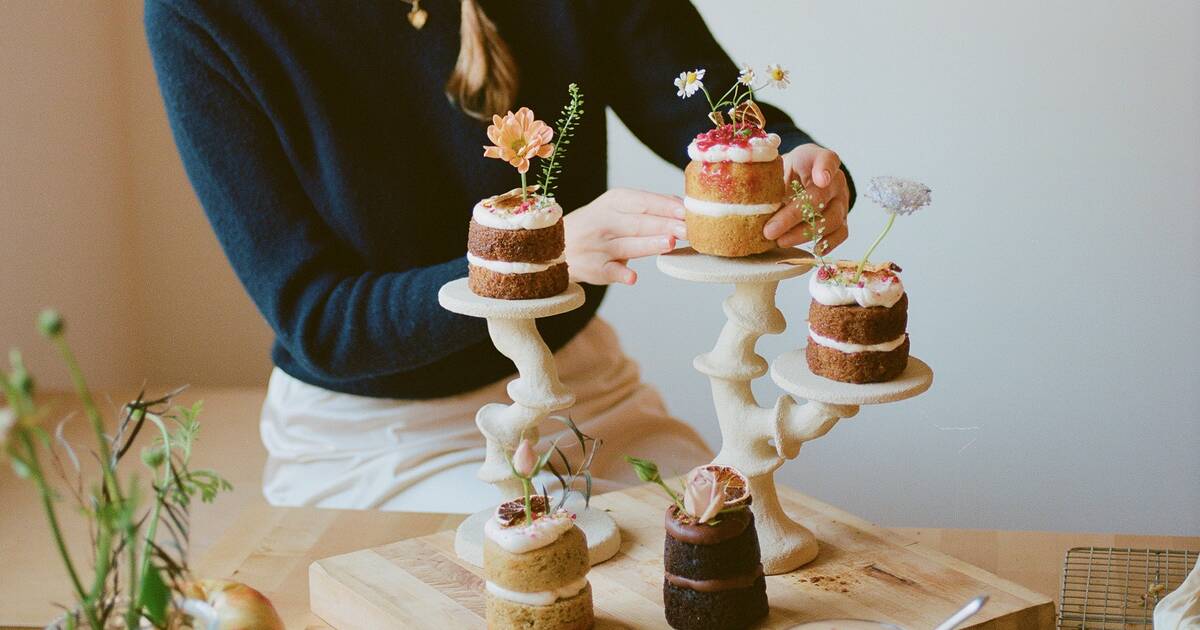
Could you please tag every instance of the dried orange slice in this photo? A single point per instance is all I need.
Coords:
(513, 512)
(737, 486)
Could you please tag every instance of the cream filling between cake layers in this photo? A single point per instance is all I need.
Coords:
(855, 348)
(533, 219)
(507, 267)
(874, 292)
(722, 209)
(760, 150)
(539, 598)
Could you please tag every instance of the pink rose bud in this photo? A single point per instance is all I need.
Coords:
(525, 459)
(703, 497)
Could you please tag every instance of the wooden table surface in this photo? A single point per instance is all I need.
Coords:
(270, 548)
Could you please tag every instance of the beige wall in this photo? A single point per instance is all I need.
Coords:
(97, 216)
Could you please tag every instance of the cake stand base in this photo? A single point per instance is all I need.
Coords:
(603, 538)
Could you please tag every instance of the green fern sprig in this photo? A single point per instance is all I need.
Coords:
(565, 127)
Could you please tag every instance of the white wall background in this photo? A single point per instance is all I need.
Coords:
(1053, 281)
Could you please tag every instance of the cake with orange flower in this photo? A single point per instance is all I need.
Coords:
(516, 240)
(734, 183)
(713, 574)
(858, 317)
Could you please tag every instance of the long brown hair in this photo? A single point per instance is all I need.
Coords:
(484, 80)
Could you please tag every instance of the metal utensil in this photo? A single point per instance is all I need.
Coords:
(963, 614)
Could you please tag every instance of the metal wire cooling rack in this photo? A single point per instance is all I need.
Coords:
(1107, 587)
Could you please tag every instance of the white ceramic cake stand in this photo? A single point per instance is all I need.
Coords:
(758, 440)
(536, 393)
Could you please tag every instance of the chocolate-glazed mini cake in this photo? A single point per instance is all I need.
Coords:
(515, 247)
(714, 574)
(857, 323)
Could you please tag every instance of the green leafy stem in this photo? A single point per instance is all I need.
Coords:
(566, 124)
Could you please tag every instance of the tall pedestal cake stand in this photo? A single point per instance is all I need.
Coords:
(758, 440)
(536, 394)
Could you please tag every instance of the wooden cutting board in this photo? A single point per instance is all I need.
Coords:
(863, 572)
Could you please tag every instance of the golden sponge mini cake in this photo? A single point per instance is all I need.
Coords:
(515, 247)
(734, 183)
(732, 187)
(536, 572)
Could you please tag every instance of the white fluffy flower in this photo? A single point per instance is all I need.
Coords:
(898, 196)
(689, 82)
(778, 76)
(746, 76)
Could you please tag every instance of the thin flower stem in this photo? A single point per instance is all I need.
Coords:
(527, 486)
(863, 263)
(39, 480)
(93, 414)
(152, 526)
(708, 97)
(522, 186)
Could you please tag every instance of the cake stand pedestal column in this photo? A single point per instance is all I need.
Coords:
(757, 440)
(536, 393)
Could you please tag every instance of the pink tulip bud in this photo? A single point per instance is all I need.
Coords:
(703, 497)
(525, 459)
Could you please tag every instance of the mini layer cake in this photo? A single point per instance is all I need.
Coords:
(515, 247)
(713, 570)
(536, 573)
(732, 186)
(857, 329)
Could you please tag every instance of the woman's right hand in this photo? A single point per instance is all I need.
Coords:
(616, 227)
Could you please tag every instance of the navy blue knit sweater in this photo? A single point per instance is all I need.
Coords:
(340, 180)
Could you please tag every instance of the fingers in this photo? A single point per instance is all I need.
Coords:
(648, 225)
(814, 165)
(642, 202)
(617, 271)
(833, 239)
(833, 221)
(784, 221)
(639, 246)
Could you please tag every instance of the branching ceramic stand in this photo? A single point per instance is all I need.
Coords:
(536, 393)
(758, 440)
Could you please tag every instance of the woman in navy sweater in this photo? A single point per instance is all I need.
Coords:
(336, 149)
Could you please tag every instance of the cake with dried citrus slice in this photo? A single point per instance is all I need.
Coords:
(732, 187)
(536, 571)
(515, 247)
(857, 323)
(713, 570)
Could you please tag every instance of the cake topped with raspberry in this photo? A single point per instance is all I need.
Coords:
(735, 142)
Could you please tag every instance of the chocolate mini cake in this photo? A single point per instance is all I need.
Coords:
(732, 187)
(515, 247)
(857, 324)
(714, 575)
(536, 572)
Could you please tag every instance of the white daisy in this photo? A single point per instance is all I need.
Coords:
(689, 82)
(746, 77)
(778, 76)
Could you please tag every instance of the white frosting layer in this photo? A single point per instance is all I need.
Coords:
(540, 598)
(760, 150)
(853, 348)
(504, 266)
(522, 538)
(719, 209)
(503, 219)
(874, 292)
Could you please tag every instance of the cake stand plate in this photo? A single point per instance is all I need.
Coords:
(688, 264)
(604, 541)
(457, 297)
(790, 371)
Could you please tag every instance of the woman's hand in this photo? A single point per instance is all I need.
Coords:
(620, 225)
(819, 169)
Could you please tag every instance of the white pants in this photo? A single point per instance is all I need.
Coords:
(328, 449)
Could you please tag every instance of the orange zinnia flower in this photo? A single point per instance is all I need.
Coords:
(519, 138)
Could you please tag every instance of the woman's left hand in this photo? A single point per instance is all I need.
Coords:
(617, 226)
(819, 169)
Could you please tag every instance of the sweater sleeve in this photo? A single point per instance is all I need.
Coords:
(337, 317)
(652, 41)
